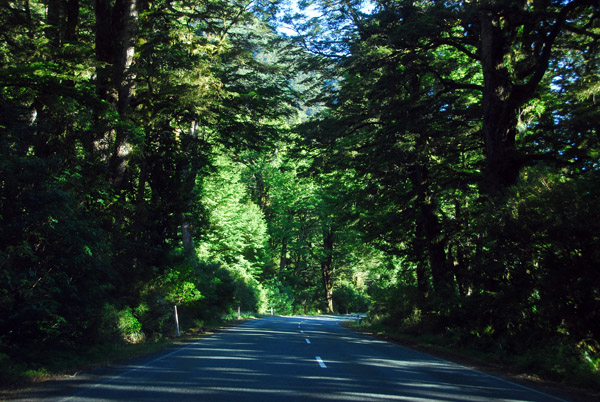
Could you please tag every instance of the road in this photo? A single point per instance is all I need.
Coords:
(293, 359)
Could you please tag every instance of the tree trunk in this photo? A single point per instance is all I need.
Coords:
(141, 208)
(503, 162)
(115, 47)
(327, 268)
(105, 45)
(432, 236)
(186, 236)
(505, 92)
(53, 21)
(72, 21)
(189, 144)
(422, 278)
(460, 261)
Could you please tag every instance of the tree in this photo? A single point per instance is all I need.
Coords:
(109, 114)
(445, 112)
(238, 236)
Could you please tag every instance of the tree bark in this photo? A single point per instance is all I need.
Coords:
(505, 92)
(186, 236)
(116, 28)
(460, 262)
(72, 15)
(327, 267)
(188, 184)
(53, 21)
(499, 109)
(443, 282)
(422, 278)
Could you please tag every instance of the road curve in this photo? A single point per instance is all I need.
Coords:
(293, 359)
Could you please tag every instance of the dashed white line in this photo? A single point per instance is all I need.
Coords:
(318, 359)
(307, 341)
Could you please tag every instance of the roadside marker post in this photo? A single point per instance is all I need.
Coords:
(176, 321)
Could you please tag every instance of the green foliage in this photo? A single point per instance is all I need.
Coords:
(120, 325)
(248, 293)
(129, 326)
(237, 234)
(348, 299)
(473, 162)
(101, 167)
(434, 163)
(280, 298)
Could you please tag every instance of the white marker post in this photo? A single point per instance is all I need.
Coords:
(239, 313)
(176, 321)
(272, 312)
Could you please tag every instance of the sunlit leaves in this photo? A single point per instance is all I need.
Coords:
(237, 234)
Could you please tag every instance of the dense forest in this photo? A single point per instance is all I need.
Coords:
(434, 163)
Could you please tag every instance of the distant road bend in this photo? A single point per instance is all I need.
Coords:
(293, 359)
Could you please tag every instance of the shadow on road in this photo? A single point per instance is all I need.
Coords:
(269, 360)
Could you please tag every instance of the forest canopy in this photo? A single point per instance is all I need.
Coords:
(433, 163)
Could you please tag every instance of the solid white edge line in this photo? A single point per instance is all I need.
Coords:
(318, 359)
(556, 398)
(518, 385)
(468, 368)
(125, 373)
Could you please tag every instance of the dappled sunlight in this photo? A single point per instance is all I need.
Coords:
(268, 360)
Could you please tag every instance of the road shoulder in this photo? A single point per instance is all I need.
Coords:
(57, 383)
(560, 390)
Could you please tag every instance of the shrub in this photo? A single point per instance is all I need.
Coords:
(129, 326)
(280, 298)
(248, 293)
(347, 299)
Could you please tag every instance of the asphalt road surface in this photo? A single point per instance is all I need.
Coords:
(287, 359)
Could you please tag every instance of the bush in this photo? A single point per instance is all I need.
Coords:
(119, 325)
(280, 298)
(248, 293)
(393, 303)
(129, 326)
(347, 299)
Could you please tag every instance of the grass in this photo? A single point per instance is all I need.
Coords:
(40, 365)
(50, 364)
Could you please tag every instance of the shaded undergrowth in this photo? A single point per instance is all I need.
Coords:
(36, 365)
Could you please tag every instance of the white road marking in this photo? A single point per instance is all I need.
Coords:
(125, 373)
(301, 331)
(320, 362)
(307, 341)
(476, 371)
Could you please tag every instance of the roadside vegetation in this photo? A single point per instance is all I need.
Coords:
(34, 366)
